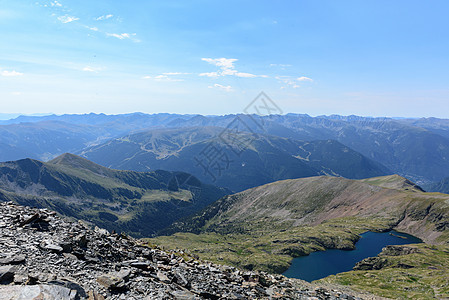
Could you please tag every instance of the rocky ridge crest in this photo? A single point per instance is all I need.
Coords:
(43, 256)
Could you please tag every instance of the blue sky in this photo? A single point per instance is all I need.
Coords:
(371, 58)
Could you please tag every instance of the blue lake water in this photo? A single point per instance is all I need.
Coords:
(321, 264)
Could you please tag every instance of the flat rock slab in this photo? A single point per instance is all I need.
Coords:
(36, 292)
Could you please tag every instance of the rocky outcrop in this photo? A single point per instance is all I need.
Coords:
(382, 260)
(372, 263)
(397, 250)
(45, 257)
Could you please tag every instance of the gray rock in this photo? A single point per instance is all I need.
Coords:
(110, 281)
(162, 277)
(143, 265)
(396, 250)
(66, 259)
(372, 263)
(52, 247)
(180, 279)
(13, 260)
(183, 295)
(44, 292)
(7, 273)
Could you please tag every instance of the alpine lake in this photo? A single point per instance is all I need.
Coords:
(321, 264)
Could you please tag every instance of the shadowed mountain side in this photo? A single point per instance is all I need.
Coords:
(417, 149)
(441, 187)
(262, 159)
(135, 202)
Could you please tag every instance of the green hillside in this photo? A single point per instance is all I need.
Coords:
(264, 228)
(134, 202)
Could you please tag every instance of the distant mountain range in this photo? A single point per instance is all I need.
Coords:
(441, 186)
(303, 184)
(203, 152)
(417, 149)
(138, 203)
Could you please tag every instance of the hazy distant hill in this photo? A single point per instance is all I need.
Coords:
(418, 153)
(264, 159)
(134, 202)
(415, 148)
(42, 140)
(441, 186)
(48, 136)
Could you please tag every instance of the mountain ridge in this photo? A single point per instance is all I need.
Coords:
(414, 148)
(117, 200)
(265, 227)
(262, 159)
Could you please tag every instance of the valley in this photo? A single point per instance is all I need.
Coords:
(266, 227)
(297, 185)
(265, 159)
(413, 148)
(211, 150)
(138, 203)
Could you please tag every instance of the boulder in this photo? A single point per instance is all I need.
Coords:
(7, 274)
(47, 292)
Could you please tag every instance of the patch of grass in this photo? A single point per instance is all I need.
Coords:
(426, 275)
(271, 246)
(160, 195)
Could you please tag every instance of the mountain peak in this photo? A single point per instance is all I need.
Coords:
(77, 162)
(394, 181)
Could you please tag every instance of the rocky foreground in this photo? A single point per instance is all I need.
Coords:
(45, 257)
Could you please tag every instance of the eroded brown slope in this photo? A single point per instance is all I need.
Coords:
(315, 200)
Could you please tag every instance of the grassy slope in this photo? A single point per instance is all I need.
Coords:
(271, 249)
(421, 275)
(265, 227)
(134, 202)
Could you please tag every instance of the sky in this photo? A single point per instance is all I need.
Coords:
(368, 58)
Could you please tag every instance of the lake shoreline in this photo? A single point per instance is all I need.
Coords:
(320, 264)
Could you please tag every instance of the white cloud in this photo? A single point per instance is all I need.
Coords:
(175, 73)
(67, 19)
(210, 74)
(227, 68)
(124, 36)
(105, 17)
(10, 73)
(223, 63)
(92, 69)
(16, 93)
(226, 88)
(303, 78)
(92, 28)
(293, 82)
(280, 65)
(163, 77)
(245, 75)
(120, 36)
(56, 3)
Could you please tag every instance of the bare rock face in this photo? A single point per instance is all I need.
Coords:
(43, 291)
(45, 257)
(372, 263)
(396, 250)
